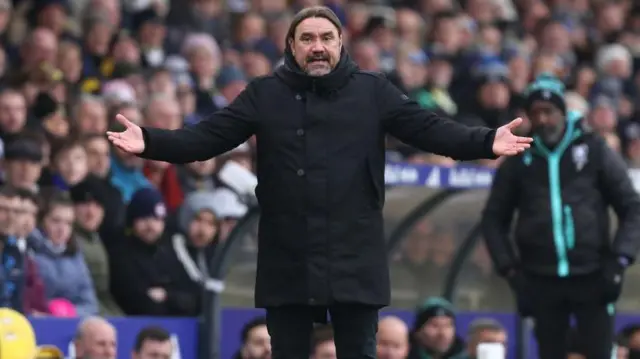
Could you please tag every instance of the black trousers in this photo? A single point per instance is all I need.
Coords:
(354, 325)
(553, 301)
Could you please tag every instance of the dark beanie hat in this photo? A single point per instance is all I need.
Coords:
(145, 203)
(546, 87)
(431, 308)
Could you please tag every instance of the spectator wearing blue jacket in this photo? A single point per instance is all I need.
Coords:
(12, 276)
(62, 265)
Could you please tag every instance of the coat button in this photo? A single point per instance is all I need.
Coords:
(312, 301)
(300, 132)
(298, 97)
(300, 172)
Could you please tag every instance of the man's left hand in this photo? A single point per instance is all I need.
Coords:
(508, 144)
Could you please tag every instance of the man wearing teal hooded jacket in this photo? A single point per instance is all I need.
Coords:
(562, 261)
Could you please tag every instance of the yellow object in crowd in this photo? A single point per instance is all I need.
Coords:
(17, 339)
(49, 352)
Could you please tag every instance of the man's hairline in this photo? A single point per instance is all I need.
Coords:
(317, 16)
(155, 340)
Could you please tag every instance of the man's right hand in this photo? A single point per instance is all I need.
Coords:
(131, 140)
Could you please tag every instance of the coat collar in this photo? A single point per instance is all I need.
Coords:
(291, 73)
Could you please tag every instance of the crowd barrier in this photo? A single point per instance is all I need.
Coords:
(435, 248)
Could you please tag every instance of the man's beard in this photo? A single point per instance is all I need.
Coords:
(318, 65)
(550, 135)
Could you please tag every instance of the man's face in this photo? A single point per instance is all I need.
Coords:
(9, 208)
(13, 112)
(43, 48)
(556, 38)
(203, 228)
(325, 350)
(148, 229)
(392, 343)
(316, 46)
(164, 114)
(258, 345)
(89, 215)
(72, 165)
(437, 334)
(153, 349)
(92, 118)
(495, 95)
(27, 214)
(162, 83)
(367, 56)
(152, 34)
(98, 160)
(99, 342)
(23, 173)
(603, 119)
(53, 17)
(547, 121)
(98, 38)
(486, 336)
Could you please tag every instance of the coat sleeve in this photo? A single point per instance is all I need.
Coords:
(498, 214)
(86, 302)
(406, 120)
(619, 193)
(219, 133)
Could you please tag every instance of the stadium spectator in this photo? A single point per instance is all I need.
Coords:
(13, 113)
(89, 214)
(69, 164)
(60, 259)
(254, 340)
(323, 345)
(142, 269)
(392, 338)
(193, 247)
(126, 174)
(20, 278)
(434, 332)
(99, 162)
(23, 162)
(485, 331)
(95, 338)
(153, 343)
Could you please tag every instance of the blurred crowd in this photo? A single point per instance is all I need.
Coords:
(432, 335)
(94, 337)
(98, 231)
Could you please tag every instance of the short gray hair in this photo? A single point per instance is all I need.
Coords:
(86, 98)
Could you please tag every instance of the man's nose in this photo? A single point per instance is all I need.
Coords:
(317, 47)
